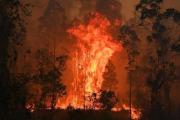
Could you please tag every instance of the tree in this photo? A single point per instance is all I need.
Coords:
(52, 23)
(164, 48)
(12, 30)
(20, 84)
(130, 41)
(107, 99)
(109, 76)
(48, 76)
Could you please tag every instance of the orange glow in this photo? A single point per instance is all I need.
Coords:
(112, 7)
(30, 107)
(117, 22)
(136, 114)
(95, 46)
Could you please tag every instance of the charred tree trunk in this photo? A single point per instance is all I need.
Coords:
(5, 26)
(169, 107)
(53, 94)
(167, 92)
(52, 104)
(152, 105)
(129, 88)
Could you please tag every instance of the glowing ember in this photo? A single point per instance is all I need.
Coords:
(95, 47)
(136, 114)
(112, 7)
(30, 107)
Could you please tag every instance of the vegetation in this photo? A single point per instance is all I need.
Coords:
(160, 68)
(12, 30)
(152, 65)
(130, 42)
(110, 80)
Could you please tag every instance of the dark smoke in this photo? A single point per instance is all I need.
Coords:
(106, 8)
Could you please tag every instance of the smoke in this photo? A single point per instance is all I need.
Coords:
(110, 8)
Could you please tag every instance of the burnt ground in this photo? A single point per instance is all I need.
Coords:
(78, 114)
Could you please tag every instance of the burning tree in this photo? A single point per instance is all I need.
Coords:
(95, 46)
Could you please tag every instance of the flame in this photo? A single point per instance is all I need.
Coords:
(30, 107)
(136, 114)
(95, 46)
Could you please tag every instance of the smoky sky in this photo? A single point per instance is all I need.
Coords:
(78, 8)
(74, 9)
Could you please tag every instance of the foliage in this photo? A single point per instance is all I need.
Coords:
(12, 33)
(48, 76)
(107, 100)
(52, 23)
(160, 68)
(130, 41)
(110, 80)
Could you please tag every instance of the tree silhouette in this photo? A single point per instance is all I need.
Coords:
(130, 42)
(52, 23)
(110, 80)
(107, 99)
(157, 21)
(49, 77)
(12, 31)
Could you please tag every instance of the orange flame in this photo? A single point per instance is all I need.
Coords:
(95, 46)
(136, 114)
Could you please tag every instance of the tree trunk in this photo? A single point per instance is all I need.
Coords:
(129, 89)
(4, 71)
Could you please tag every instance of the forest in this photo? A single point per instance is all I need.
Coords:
(89, 60)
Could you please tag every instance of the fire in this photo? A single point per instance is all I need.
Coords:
(136, 114)
(95, 46)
